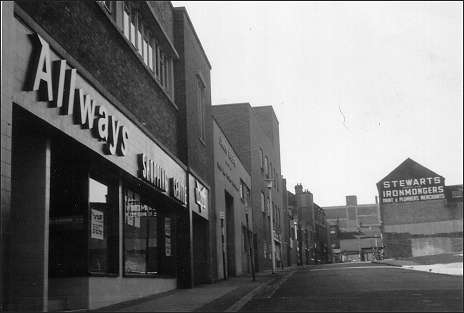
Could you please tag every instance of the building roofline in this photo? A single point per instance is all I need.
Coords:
(270, 107)
(235, 103)
(184, 10)
(166, 37)
(408, 160)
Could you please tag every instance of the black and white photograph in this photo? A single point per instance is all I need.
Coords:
(231, 156)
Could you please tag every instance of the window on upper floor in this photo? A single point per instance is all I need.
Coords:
(242, 196)
(263, 202)
(268, 206)
(266, 166)
(201, 107)
(261, 158)
(147, 46)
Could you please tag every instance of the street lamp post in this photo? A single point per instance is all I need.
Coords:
(250, 245)
(271, 213)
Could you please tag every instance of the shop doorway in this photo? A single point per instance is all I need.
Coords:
(230, 235)
(200, 250)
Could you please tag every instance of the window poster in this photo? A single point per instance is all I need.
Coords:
(167, 245)
(167, 226)
(97, 223)
(167, 237)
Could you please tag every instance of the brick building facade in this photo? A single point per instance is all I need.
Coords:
(312, 229)
(254, 134)
(420, 214)
(106, 154)
(358, 228)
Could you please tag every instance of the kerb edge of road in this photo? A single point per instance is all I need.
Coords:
(246, 298)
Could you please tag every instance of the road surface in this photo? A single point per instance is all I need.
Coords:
(360, 287)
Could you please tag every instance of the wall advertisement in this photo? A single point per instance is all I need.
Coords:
(412, 189)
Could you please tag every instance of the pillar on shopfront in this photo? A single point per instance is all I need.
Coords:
(28, 229)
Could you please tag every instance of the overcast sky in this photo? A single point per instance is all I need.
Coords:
(357, 87)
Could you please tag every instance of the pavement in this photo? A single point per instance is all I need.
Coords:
(225, 295)
(446, 263)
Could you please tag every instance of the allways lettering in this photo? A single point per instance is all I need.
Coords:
(57, 86)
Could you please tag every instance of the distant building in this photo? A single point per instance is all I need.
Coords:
(356, 230)
(353, 215)
(253, 132)
(420, 215)
(292, 227)
(312, 229)
(334, 242)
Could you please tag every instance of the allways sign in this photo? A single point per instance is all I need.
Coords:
(57, 86)
(411, 182)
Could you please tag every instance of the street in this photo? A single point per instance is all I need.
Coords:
(361, 287)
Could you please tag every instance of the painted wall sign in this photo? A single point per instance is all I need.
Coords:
(228, 153)
(57, 86)
(412, 189)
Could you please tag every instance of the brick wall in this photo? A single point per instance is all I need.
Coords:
(165, 15)
(193, 64)
(415, 212)
(235, 122)
(113, 62)
(247, 135)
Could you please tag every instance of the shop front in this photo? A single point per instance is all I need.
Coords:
(199, 206)
(98, 207)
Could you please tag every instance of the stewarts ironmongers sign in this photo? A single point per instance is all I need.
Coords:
(412, 189)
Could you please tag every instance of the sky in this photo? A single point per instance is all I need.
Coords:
(357, 87)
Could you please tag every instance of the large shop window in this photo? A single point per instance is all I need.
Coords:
(103, 229)
(148, 238)
(83, 214)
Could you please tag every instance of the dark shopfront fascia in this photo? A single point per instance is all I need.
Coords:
(88, 228)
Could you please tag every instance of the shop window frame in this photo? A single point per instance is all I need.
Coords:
(162, 214)
(113, 187)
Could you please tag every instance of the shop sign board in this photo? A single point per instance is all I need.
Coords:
(412, 189)
(201, 196)
(151, 172)
(56, 84)
(65, 97)
(198, 200)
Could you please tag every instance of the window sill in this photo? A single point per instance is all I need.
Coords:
(95, 274)
(134, 275)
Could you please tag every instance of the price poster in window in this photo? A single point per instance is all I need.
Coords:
(167, 234)
(97, 222)
(167, 226)
(168, 246)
